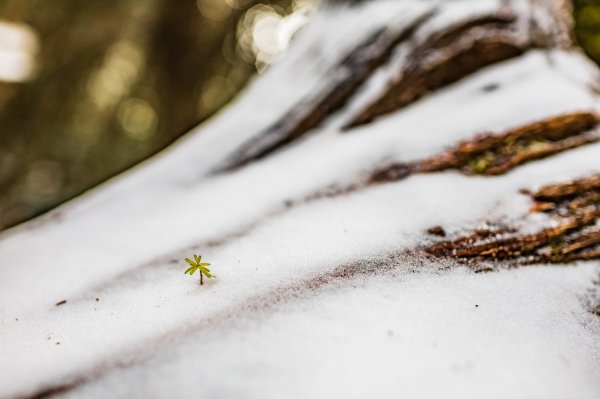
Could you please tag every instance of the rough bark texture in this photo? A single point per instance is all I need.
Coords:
(491, 154)
(576, 208)
(416, 60)
(435, 61)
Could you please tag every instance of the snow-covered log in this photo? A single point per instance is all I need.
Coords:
(407, 205)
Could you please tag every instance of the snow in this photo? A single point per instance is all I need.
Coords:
(394, 335)
(451, 13)
(124, 243)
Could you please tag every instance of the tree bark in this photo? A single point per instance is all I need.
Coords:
(394, 138)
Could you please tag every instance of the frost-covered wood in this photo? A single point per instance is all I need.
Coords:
(392, 130)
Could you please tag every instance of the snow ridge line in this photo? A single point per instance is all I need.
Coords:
(471, 157)
(351, 73)
(260, 302)
(445, 56)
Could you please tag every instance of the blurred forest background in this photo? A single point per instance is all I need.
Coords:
(88, 89)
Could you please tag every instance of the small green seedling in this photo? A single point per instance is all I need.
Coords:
(198, 265)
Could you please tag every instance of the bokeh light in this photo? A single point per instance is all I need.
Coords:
(18, 51)
(264, 32)
(88, 89)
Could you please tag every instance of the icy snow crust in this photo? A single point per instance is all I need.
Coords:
(410, 328)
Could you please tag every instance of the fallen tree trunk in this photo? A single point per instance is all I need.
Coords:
(348, 203)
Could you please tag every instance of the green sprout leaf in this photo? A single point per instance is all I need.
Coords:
(197, 264)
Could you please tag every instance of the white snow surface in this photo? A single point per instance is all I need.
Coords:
(425, 335)
(410, 329)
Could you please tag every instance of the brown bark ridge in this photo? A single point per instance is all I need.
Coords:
(446, 57)
(431, 58)
(351, 73)
(575, 208)
(495, 154)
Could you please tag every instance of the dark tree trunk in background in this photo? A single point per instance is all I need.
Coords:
(65, 131)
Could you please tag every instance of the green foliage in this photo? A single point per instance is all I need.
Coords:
(481, 163)
(197, 264)
(587, 15)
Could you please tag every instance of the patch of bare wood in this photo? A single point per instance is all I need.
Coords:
(495, 154)
(349, 75)
(459, 51)
(576, 235)
(424, 76)
(441, 59)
